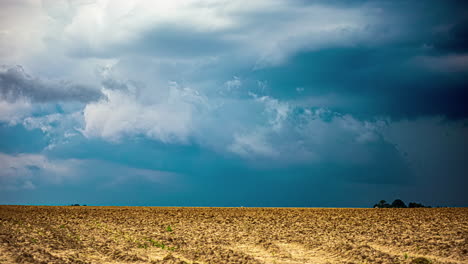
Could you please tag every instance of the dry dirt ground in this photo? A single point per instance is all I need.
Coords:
(40, 234)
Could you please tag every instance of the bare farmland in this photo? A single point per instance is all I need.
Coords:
(40, 234)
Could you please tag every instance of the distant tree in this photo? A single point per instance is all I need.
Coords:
(382, 204)
(416, 205)
(398, 204)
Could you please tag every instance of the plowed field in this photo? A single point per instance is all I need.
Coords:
(40, 234)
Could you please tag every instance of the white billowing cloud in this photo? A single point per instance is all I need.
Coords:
(124, 114)
(105, 28)
(82, 34)
(259, 126)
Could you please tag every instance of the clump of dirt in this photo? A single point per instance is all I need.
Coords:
(420, 261)
(43, 234)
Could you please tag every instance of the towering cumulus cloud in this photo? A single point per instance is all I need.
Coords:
(121, 115)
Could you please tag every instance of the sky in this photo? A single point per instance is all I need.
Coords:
(233, 103)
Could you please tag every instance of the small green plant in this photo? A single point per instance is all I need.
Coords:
(171, 248)
(406, 256)
(169, 228)
(62, 226)
(161, 245)
(34, 240)
(142, 245)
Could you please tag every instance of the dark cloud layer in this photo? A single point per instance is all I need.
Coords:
(419, 70)
(388, 81)
(16, 83)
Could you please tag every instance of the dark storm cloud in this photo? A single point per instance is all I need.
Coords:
(418, 65)
(16, 83)
(453, 39)
(385, 80)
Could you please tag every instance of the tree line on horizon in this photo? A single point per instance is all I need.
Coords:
(399, 204)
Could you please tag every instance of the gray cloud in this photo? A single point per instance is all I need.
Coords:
(16, 83)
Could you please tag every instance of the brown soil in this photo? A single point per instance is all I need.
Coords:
(40, 234)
